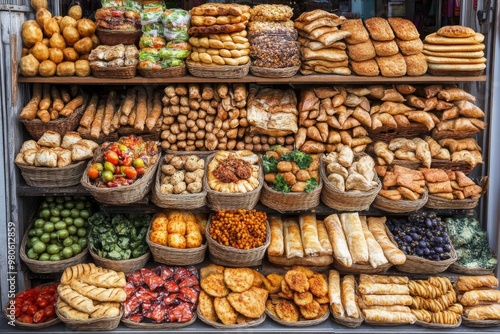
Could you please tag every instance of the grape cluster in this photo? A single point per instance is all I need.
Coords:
(422, 234)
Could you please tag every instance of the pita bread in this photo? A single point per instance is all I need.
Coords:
(317, 14)
(472, 54)
(456, 31)
(332, 70)
(324, 54)
(449, 60)
(437, 39)
(323, 22)
(457, 67)
(454, 48)
(329, 64)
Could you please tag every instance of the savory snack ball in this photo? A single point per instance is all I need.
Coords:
(75, 12)
(82, 68)
(71, 35)
(70, 54)
(57, 41)
(56, 55)
(29, 66)
(40, 51)
(37, 4)
(42, 15)
(47, 68)
(46, 41)
(65, 69)
(31, 34)
(86, 27)
(66, 22)
(50, 27)
(83, 46)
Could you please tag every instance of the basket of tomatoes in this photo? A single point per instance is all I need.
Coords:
(33, 308)
(122, 172)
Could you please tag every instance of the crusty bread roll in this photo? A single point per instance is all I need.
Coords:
(392, 66)
(411, 47)
(359, 34)
(386, 48)
(456, 31)
(361, 51)
(403, 28)
(416, 65)
(379, 29)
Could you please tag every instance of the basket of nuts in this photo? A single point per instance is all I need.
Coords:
(238, 237)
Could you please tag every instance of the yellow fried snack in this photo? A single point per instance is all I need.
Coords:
(225, 312)
(238, 279)
(318, 285)
(206, 306)
(297, 280)
(214, 285)
(287, 311)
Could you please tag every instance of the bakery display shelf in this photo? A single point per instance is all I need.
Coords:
(25, 190)
(298, 79)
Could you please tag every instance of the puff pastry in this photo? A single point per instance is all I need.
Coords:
(338, 240)
(334, 293)
(293, 242)
(391, 317)
(276, 246)
(309, 233)
(348, 294)
(375, 253)
(355, 237)
(466, 283)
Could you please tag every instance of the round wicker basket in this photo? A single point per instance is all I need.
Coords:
(300, 323)
(293, 201)
(360, 268)
(234, 257)
(269, 72)
(459, 269)
(217, 71)
(436, 202)
(126, 266)
(165, 325)
(176, 71)
(114, 37)
(222, 327)
(479, 323)
(50, 177)
(36, 128)
(402, 206)
(124, 72)
(91, 324)
(49, 267)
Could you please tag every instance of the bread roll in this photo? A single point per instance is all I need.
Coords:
(392, 66)
(334, 293)
(100, 294)
(386, 48)
(309, 233)
(276, 246)
(353, 231)
(379, 29)
(411, 47)
(75, 299)
(486, 312)
(476, 297)
(108, 279)
(359, 34)
(68, 312)
(293, 242)
(416, 65)
(348, 295)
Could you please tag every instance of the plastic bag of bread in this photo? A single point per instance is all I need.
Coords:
(273, 12)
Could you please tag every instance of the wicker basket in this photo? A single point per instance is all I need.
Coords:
(355, 200)
(176, 71)
(126, 266)
(269, 72)
(438, 326)
(289, 202)
(154, 326)
(443, 134)
(322, 261)
(348, 322)
(124, 72)
(402, 206)
(436, 202)
(217, 71)
(387, 134)
(222, 327)
(115, 37)
(300, 323)
(49, 267)
(50, 177)
(360, 268)
(459, 269)
(218, 200)
(36, 128)
(176, 256)
(125, 194)
(418, 265)
(479, 323)
(153, 135)
(461, 166)
(234, 257)
(102, 137)
(91, 324)
(454, 73)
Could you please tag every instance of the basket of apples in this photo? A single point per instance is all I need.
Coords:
(122, 172)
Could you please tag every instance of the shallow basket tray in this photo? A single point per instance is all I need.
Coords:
(219, 200)
(149, 325)
(124, 72)
(49, 267)
(217, 71)
(36, 128)
(115, 37)
(432, 325)
(360, 268)
(436, 202)
(269, 72)
(102, 137)
(91, 324)
(126, 266)
(176, 256)
(176, 71)
(459, 269)
(443, 134)
(127, 130)
(418, 265)
(479, 323)
(234, 257)
(292, 201)
(50, 177)
(461, 166)
(386, 134)
(347, 322)
(322, 261)
(221, 326)
(454, 73)
(125, 194)
(401, 206)
(303, 323)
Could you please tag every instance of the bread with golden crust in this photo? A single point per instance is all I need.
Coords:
(416, 64)
(392, 66)
(408, 48)
(361, 51)
(403, 28)
(456, 31)
(379, 29)
(386, 48)
(359, 34)
(368, 68)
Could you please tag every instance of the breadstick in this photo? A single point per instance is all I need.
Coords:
(95, 130)
(44, 115)
(53, 114)
(129, 102)
(45, 101)
(65, 94)
(30, 110)
(141, 111)
(57, 102)
(132, 117)
(109, 111)
(72, 105)
(88, 115)
(115, 122)
(155, 112)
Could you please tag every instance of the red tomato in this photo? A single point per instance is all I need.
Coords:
(39, 316)
(130, 172)
(41, 301)
(127, 161)
(140, 171)
(31, 310)
(49, 311)
(111, 156)
(118, 170)
(26, 319)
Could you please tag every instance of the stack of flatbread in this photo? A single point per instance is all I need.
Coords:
(455, 49)
(322, 49)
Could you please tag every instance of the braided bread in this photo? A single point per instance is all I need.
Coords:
(437, 304)
(422, 315)
(445, 317)
(424, 289)
(442, 283)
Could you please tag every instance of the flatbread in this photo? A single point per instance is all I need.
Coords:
(403, 28)
(456, 31)
(457, 67)
(449, 60)
(454, 48)
(437, 39)
(472, 54)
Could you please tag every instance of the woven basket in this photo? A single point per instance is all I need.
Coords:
(165, 325)
(355, 200)
(36, 128)
(102, 137)
(126, 266)
(49, 267)
(145, 134)
(360, 268)
(269, 72)
(418, 265)
(440, 326)
(443, 134)
(217, 71)
(221, 326)
(436, 202)
(176, 256)
(479, 323)
(401, 206)
(454, 73)
(231, 201)
(316, 261)
(293, 201)
(387, 134)
(234, 257)
(124, 72)
(91, 324)
(176, 71)
(459, 269)
(115, 37)
(125, 194)
(348, 322)
(300, 323)
(50, 177)
(461, 166)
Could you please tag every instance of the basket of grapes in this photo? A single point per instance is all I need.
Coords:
(423, 237)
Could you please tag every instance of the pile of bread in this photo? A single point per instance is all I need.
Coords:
(401, 183)
(321, 43)
(343, 297)
(178, 229)
(455, 50)
(435, 301)
(231, 295)
(87, 291)
(330, 116)
(52, 151)
(234, 172)
(479, 296)
(273, 37)
(56, 45)
(114, 56)
(219, 34)
(182, 174)
(390, 47)
(450, 184)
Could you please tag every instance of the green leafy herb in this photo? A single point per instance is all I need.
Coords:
(303, 160)
(274, 147)
(280, 184)
(270, 164)
(311, 184)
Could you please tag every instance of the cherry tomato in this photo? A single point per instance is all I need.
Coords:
(31, 310)
(39, 316)
(42, 302)
(130, 172)
(49, 311)
(93, 173)
(26, 319)
(111, 156)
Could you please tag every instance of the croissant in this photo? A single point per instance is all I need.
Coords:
(99, 294)
(75, 299)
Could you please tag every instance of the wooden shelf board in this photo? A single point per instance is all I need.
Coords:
(298, 80)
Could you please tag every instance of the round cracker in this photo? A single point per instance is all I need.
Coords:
(450, 60)
(318, 285)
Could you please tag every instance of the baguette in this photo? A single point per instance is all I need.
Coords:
(376, 225)
(309, 233)
(276, 246)
(99, 294)
(348, 295)
(353, 231)
(109, 111)
(88, 115)
(141, 110)
(30, 110)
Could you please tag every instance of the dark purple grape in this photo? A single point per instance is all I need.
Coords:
(427, 251)
(419, 252)
(439, 250)
(428, 222)
(408, 238)
(422, 244)
(447, 248)
(415, 236)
